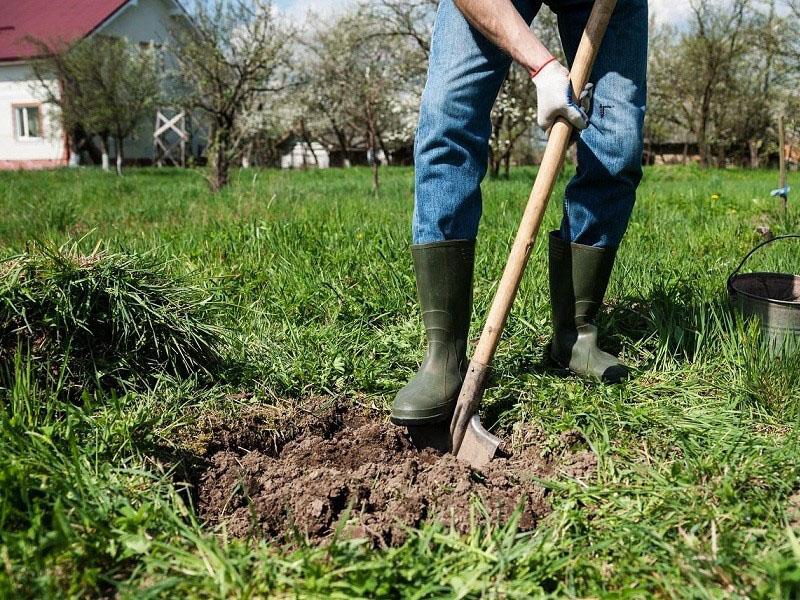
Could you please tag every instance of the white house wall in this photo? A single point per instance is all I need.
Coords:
(140, 21)
(19, 86)
(300, 156)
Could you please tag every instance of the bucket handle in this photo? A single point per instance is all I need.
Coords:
(753, 251)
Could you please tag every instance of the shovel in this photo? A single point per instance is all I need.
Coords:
(469, 440)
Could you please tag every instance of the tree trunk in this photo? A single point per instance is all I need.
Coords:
(118, 141)
(313, 153)
(104, 159)
(344, 147)
(347, 162)
(507, 163)
(495, 157)
(704, 151)
(74, 154)
(376, 184)
(721, 153)
(703, 148)
(218, 158)
(755, 146)
(494, 163)
(383, 148)
(246, 155)
(307, 142)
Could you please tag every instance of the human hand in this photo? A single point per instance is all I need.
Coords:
(555, 98)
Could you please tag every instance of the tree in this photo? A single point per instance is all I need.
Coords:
(232, 58)
(710, 53)
(692, 73)
(663, 119)
(513, 115)
(723, 80)
(412, 19)
(379, 99)
(54, 72)
(355, 94)
(322, 99)
(407, 25)
(102, 86)
(514, 111)
(123, 88)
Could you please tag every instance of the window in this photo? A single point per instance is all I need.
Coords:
(27, 120)
(147, 46)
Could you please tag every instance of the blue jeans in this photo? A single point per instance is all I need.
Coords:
(464, 77)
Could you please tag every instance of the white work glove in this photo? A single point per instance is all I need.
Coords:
(554, 98)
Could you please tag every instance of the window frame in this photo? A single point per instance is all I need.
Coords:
(15, 108)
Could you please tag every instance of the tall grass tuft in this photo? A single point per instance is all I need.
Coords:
(104, 318)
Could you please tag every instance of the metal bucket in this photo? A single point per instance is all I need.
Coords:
(773, 298)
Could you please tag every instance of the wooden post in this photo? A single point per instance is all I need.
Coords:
(156, 153)
(782, 160)
(162, 146)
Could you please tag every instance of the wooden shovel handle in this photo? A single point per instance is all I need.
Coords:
(542, 188)
(472, 389)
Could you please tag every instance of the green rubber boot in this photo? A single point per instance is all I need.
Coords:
(444, 286)
(578, 280)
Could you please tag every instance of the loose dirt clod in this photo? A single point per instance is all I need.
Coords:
(347, 468)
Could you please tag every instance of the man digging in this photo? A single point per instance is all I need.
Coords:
(474, 42)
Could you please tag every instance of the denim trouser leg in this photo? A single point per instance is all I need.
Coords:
(465, 74)
(598, 201)
(451, 151)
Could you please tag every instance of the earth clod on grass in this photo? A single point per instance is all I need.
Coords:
(342, 469)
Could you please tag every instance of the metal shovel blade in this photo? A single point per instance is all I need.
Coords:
(470, 440)
(479, 446)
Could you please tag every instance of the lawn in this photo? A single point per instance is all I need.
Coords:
(298, 285)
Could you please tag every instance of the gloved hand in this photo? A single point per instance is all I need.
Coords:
(554, 98)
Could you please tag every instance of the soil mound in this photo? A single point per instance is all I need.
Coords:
(347, 469)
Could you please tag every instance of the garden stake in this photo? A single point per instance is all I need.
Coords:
(469, 440)
(783, 191)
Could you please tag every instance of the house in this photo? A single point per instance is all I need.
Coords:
(30, 132)
(297, 153)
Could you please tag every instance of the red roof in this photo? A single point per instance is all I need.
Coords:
(53, 21)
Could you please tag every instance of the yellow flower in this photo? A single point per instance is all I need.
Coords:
(715, 197)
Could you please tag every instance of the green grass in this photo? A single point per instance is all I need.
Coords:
(696, 495)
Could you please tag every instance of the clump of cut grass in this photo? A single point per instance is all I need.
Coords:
(105, 318)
